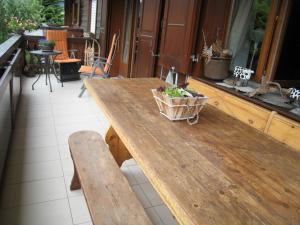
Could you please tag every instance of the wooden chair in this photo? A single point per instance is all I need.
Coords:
(91, 51)
(66, 64)
(101, 66)
(108, 194)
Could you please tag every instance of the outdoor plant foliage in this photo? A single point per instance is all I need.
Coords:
(18, 15)
(53, 12)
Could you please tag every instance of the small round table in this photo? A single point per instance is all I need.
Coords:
(47, 65)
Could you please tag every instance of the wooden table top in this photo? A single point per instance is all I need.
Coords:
(219, 171)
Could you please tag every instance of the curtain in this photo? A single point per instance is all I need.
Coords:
(239, 42)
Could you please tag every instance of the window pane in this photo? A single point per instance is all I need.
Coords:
(93, 16)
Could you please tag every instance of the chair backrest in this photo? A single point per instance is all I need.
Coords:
(91, 51)
(60, 38)
(111, 54)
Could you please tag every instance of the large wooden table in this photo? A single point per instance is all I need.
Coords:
(219, 171)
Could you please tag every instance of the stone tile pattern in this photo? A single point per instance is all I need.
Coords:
(36, 182)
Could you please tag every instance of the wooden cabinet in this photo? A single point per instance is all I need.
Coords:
(285, 130)
(269, 122)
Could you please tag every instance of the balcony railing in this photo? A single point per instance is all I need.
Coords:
(11, 65)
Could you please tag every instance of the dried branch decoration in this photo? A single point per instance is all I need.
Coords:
(216, 50)
(206, 52)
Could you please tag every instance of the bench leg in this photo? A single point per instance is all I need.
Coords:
(75, 183)
(116, 147)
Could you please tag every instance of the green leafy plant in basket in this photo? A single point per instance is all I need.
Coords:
(47, 45)
(178, 92)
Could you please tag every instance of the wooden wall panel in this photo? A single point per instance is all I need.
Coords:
(115, 26)
(178, 33)
(285, 130)
(146, 38)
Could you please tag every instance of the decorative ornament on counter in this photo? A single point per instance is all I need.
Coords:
(295, 94)
(243, 74)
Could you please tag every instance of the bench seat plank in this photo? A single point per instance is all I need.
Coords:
(110, 199)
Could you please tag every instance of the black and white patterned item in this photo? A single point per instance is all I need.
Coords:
(295, 94)
(243, 74)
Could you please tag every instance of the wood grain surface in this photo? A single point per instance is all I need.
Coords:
(109, 197)
(220, 171)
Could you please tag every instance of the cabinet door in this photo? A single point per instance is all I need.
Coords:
(146, 38)
(178, 33)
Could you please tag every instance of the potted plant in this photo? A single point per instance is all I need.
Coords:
(46, 45)
(32, 64)
(217, 60)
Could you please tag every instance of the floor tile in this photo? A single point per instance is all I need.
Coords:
(68, 167)
(141, 196)
(138, 174)
(36, 107)
(32, 172)
(48, 213)
(33, 131)
(70, 193)
(128, 174)
(165, 215)
(69, 120)
(35, 122)
(79, 210)
(88, 223)
(155, 219)
(33, 156)
(151, 194)
(31, 114)
(64, 151)
(129, 162)
(33, 192)
(71, 110)
(34, 141)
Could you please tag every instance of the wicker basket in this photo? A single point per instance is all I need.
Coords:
(180, 108)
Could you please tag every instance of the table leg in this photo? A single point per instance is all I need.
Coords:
(49, 82)
(75, 183)
(55, 74)
(116, 147)
(47, 71)
(36, 81)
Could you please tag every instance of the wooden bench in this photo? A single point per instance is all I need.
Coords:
(109, 197)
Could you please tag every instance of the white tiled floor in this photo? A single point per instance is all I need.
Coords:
(39, 170)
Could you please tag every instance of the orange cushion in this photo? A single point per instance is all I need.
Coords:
(89, 69)
(67, 60)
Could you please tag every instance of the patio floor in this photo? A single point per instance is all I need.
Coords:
(39, 170)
